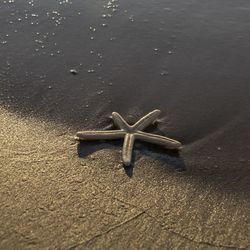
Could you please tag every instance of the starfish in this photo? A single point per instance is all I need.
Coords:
(130, 133)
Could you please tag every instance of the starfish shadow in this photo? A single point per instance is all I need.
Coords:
(166, 156)
(129, 169)
(170, 157)
(87, 148)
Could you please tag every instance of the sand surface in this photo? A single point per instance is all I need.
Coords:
(188, 58)
(51, 198)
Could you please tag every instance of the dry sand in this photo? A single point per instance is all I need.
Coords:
(51, 198)
(188, 58)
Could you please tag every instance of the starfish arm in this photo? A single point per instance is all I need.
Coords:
(158, 139)
(100, 135)
(128, 149)
(146, 120)
(120, 122)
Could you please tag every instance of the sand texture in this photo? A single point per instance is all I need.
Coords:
(66, 66)
(51, 198)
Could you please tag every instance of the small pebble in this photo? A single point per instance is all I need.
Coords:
(73, 71)
(164, 72)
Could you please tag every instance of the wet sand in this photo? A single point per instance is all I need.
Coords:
(187, 58)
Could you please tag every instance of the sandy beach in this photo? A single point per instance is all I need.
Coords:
(66, 66)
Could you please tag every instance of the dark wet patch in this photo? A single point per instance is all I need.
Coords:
(190, 59)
